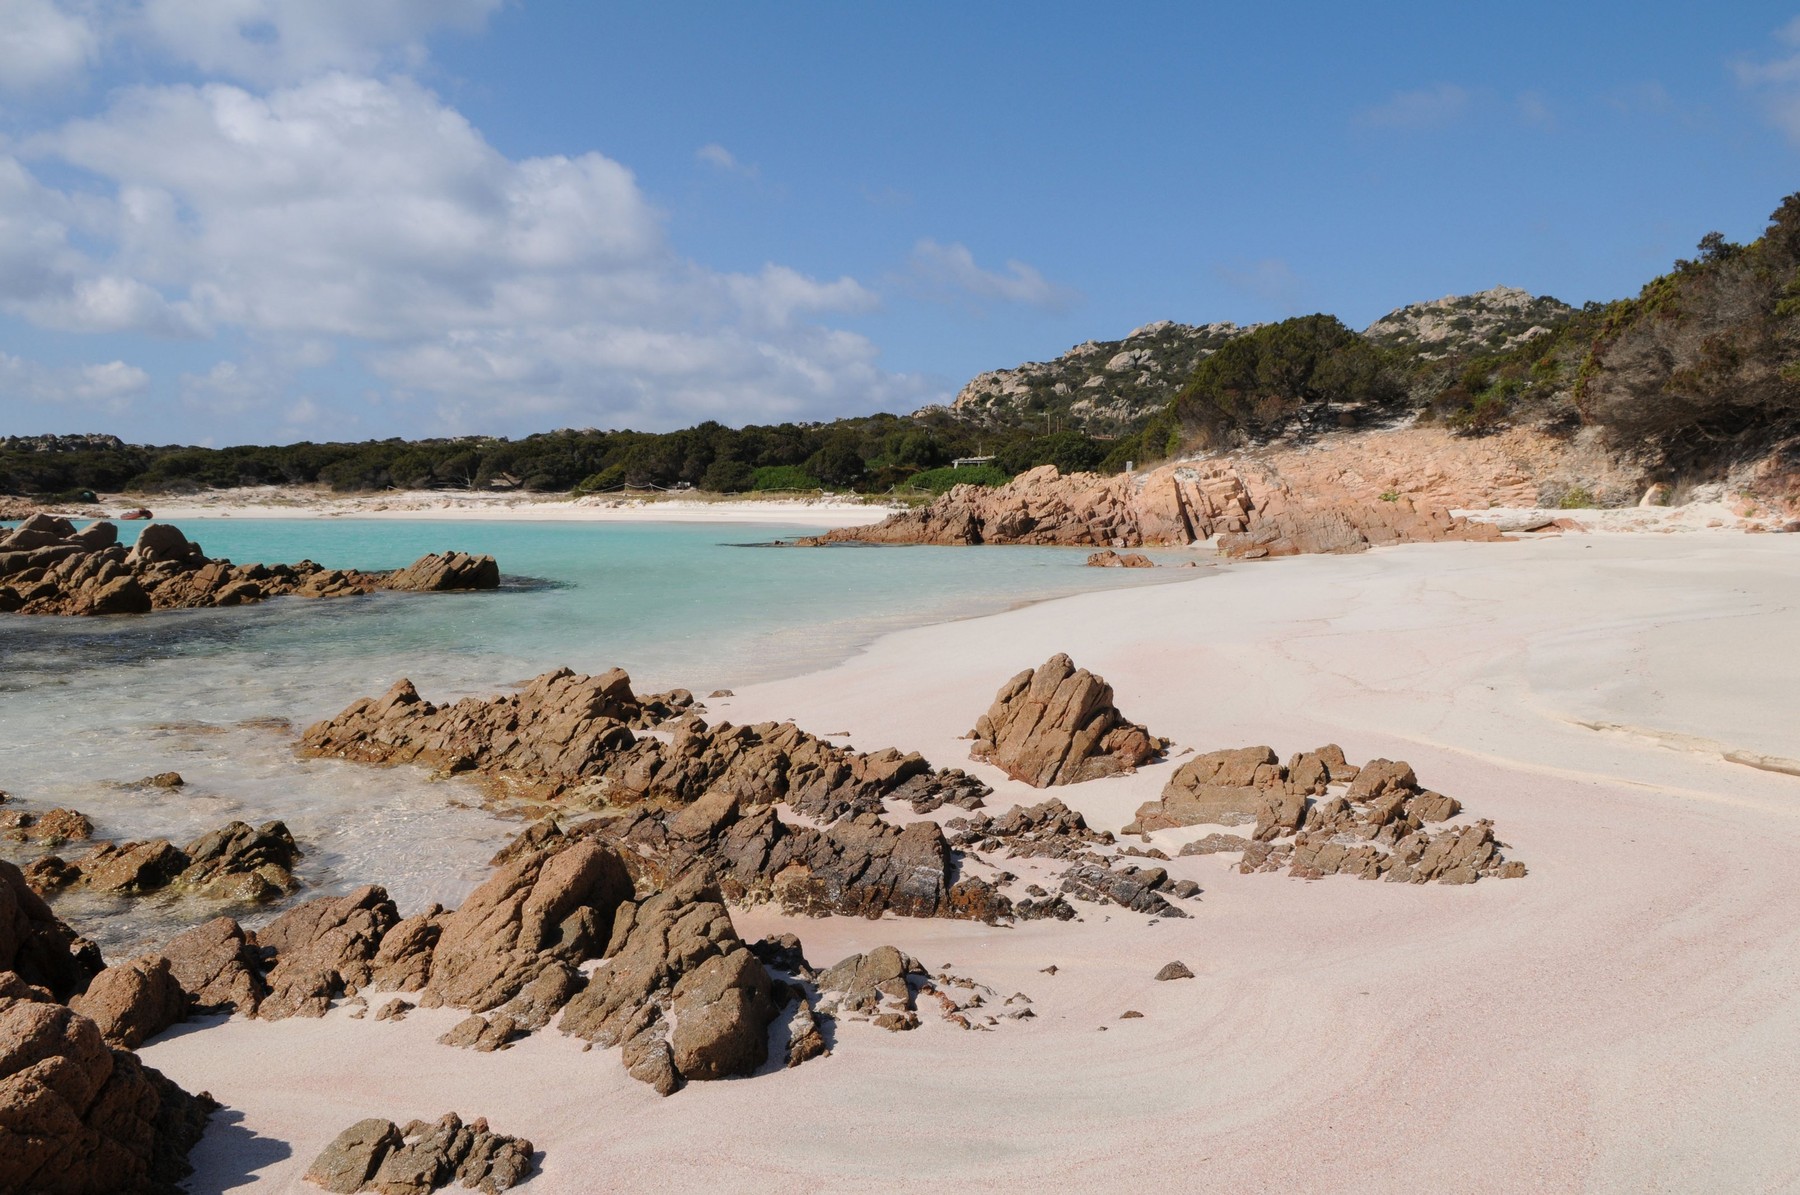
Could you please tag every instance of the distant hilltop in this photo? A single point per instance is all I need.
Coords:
(1107, 387)
(85, 442)
(1103, 386)
(1490, 321)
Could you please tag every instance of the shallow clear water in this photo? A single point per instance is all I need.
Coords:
(88, 703)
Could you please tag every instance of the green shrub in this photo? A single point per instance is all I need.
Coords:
(783, 477)
(728, 477)
(937, 481)
(1577, 498)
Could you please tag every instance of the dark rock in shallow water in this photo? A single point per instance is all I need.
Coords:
(47, 567)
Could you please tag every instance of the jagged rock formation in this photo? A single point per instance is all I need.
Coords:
(16, 508)
(445, 572)
(80, 1117)
(856, 864)
(1056, 724)
(378, 1155)
(1100, 386)
(1252, 511)
(48, 567)
(1320, 815)
(702, 797)
(236, 862)
(1489, 321)
(680, 991)
(676, 958)
(76, 1114)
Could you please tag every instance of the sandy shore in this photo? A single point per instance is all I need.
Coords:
(1625, 1018)
(281, 502)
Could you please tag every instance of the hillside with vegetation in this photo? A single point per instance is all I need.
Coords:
(1099, 387)
(1696, 376)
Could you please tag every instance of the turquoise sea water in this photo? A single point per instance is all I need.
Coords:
(88, 703)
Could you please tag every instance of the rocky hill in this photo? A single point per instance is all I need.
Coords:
(1099, 386)
(1490, 321)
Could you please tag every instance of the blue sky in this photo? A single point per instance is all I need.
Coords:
(225, 221)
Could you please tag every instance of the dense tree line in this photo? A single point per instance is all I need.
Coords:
(873, 454)
(1705, 362)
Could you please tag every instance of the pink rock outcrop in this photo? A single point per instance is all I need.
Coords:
(1248, 506)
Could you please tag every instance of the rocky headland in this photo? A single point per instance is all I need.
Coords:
(49, 567)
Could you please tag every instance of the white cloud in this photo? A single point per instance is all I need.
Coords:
(1777, 81)
(110, 386)
(46, 278)
(367, 214)
(42, 44)
(1534, 109)
(723, 160)
(951, 269)
(1425, 108)
(279, 41)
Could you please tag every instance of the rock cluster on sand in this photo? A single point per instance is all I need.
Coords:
(700, 796)
(1056, 724)
(1247, 505)
(1051, 830)
(680, 991)
(48, 567)
(766, 812)
(77, 1115)
(378, 1155)
(1320, 815)
(237, 862)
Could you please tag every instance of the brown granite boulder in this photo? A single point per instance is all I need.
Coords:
(235, 862)
(52, 828)
(37, 947)
(133, 1002)
(323, 949)
(533, 913)
(676, 956)
(218, 966)
(1056, 724)
(1112, 559)
(378, 1155)
(242, 863)
(1224, 788)
(879, 986)
(78, 1117)
(441, 572)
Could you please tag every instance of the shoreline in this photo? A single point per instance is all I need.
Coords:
(281, 502)
(1330, 1035)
